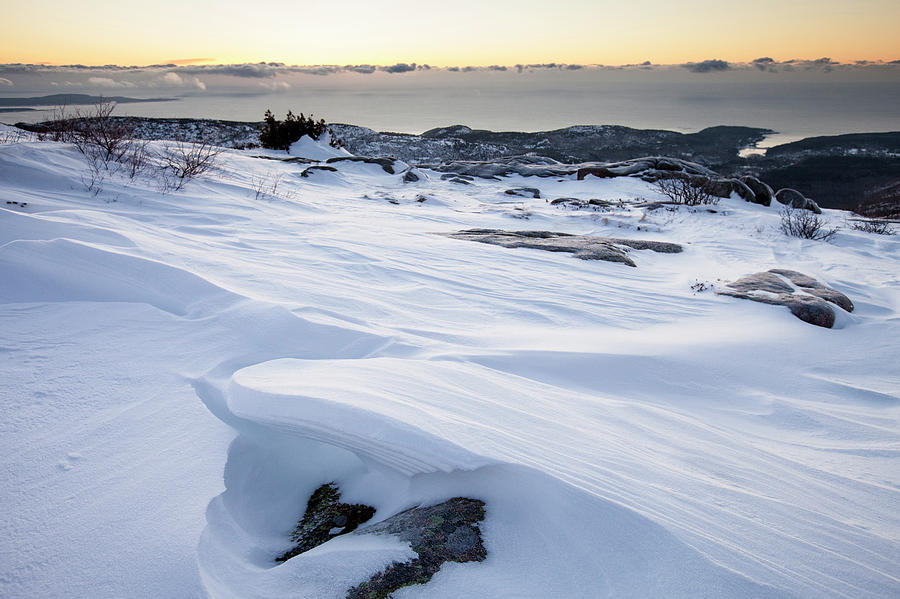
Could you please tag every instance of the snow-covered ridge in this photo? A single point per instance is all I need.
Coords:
(631, 437)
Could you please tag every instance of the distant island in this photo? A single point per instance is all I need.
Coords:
(73, 100)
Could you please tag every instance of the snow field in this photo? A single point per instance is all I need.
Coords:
(630, 437)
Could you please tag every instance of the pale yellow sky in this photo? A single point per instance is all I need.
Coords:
(461, 32)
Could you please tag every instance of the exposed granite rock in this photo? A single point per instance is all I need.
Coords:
(720, 188)
(814, 287)
(795, 199)
(385, 163)
(308, 170)
(524, 192)
(762, 193)
(650, 166)
(439, 533)
(412, 175)
(743, 191)
(299, 159)
(585, 247)
(811, 304)
(325, 518)
(447, 532)
(577, 204)
(526, 166)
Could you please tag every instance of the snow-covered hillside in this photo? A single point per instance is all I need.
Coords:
(182, 370)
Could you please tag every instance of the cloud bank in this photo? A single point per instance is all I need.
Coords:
(185, 77)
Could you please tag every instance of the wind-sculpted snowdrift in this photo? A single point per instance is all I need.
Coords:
(397, 433)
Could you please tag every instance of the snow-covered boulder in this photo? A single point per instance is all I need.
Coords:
(807, 298)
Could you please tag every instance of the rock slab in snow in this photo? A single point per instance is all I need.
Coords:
(779, 287)
(447, 532)
(585, 247)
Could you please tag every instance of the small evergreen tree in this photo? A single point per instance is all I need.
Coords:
(279, 135)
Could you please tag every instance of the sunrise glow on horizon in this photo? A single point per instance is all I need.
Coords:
(445, 34)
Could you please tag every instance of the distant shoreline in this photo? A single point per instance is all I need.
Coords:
(27, 104)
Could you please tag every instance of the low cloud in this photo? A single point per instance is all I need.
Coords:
(275, 86)
(400, 67)
(172, 79)
(366, 69)
(708, 66)
(764, 64)
(108, 82)
(266, 77)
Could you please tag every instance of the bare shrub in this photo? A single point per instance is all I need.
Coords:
(12, 136)
(805, 224)
(96, 174)
(269, 187)
(694, 191)
(879, 227)
(97, 131)
(62, 125)
(181, 161)
(138, 159)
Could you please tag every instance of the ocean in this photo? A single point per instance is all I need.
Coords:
(794, 107)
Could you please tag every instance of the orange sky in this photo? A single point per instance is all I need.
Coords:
(464, 32)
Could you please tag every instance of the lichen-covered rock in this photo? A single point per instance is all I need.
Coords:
(585, 247)
(762, 193)
(447, 532)
(795, 199)
(325, 518)
(808, 299)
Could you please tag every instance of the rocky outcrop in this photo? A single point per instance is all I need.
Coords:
(650, 168)
(311, 169)
(447, 532)
(388, 164)
(413, 175)
(762, 193)
(808, 299)
(743, 192)
(585, 247)
(795, 199)
(524, 192)
(577, 204)
(526, 166)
